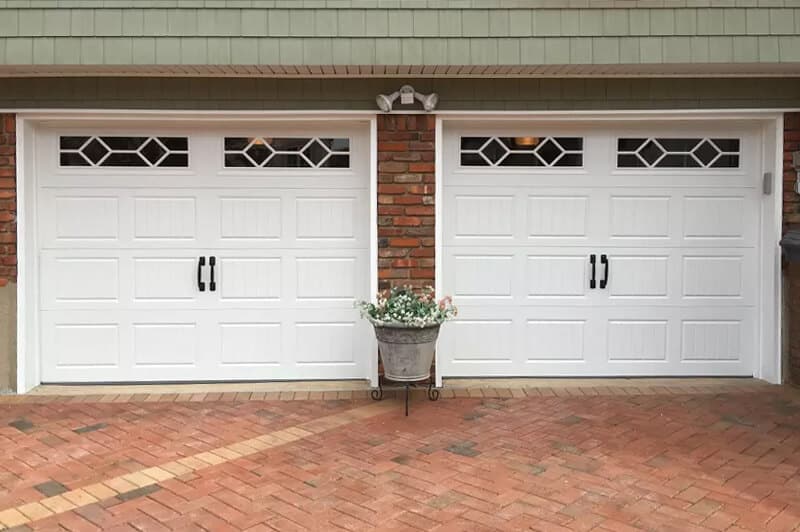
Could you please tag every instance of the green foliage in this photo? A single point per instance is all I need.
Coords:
(404, 306)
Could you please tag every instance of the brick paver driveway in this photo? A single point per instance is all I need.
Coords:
(707, 461)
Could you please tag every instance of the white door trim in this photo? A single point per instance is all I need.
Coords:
(768, 360)
(28, 350)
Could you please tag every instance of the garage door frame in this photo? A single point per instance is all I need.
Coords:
(28, 312)
(768, 361)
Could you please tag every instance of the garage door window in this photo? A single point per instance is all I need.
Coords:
(530, 151)
(657, 152)
(287, 152)
(125, 152)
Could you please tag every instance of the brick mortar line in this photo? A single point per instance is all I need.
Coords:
(447, 392)
(77, 498)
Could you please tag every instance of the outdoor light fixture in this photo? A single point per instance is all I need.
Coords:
(796, 164)
(407, 95)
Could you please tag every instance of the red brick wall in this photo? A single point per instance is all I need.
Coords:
(791, 220)
(791, 143)
(405, 200)
(8, 200)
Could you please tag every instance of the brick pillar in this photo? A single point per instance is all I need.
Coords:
(791, 271)
(8, 200)
(8, 252)
(405, 200)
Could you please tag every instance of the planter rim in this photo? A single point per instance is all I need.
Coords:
(402, 325)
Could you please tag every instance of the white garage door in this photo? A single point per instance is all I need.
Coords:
(202, 253)
(672, 215)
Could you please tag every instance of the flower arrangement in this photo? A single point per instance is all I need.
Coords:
(405, 307)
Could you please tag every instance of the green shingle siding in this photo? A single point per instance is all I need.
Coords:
(432, 33)
(233, 22)
(393, 51)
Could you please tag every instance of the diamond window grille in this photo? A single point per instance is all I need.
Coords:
(124, 151)
(548, 152)
(657, 152)
(287, 152)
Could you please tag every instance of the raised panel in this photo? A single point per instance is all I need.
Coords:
(245, 218)
(554, 340)
(639, 216)
(164, 278)
(482, 275)
(80, 279)
(637, 340)
(164, 218)
(325, 343)
(557, 216)
(87, 217)
(714, 217)
(711, 340)
(326, 218)
(326, 278)
(85, 345)
(249, 278)
(250, 343)
(556, 276)
(637, 276)
(476, 341)
(712, 276)
(164, 344)
(484, 216)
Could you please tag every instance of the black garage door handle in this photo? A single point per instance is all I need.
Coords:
(200, 284)
(593, 262)
(604, 261)
(212, 285)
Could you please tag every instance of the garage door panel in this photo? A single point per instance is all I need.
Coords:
(681, 245)
(83, 345)
(481, 215)
(160, 343)
(78, 216)
(327, 218)
(557, 215)
(694, 337)
(119, 252)
(68, 280)
(641, 216)
(548, 339)
(251, 218)
(724, 276)
(120, 346)
(503, 216)
(637, 339)
(523, 275)
(168, 218)
(164, 279)
(250, 279)
(484, 276)
(557, 275)
(165, 217)
(621, 216)
(709, 217)
(251, 343)
(483, 340)
(638, 275)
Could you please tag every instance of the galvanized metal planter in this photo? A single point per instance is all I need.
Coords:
(406, 352)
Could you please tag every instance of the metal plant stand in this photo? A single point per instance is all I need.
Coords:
(431, 392)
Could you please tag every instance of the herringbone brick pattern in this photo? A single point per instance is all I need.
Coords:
(79, 444)
(611, 462)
